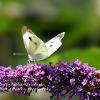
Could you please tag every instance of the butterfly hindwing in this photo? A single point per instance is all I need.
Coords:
(53, 44)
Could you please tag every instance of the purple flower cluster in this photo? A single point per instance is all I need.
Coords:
(62, 79)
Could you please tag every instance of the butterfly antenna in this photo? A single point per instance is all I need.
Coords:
(19, 54)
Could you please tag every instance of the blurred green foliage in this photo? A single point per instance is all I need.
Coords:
(80, 19)
(90, 56)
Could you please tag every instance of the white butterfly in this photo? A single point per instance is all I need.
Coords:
(36, 48)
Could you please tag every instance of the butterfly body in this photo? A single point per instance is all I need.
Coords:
(36, 48)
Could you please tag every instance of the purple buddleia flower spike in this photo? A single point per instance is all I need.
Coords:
(60, 80)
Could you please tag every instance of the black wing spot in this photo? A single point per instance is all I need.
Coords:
(35, 43)
(52, 41)
(50, 46)
(30, 38)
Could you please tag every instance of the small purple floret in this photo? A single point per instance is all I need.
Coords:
(72, 81)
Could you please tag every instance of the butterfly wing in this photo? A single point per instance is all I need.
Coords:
(53, 44)
(35, 47)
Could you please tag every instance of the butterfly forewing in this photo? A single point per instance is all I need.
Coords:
(35, 47)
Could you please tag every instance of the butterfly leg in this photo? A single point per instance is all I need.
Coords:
(35, 62)
(31, 60)
(28, 61)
